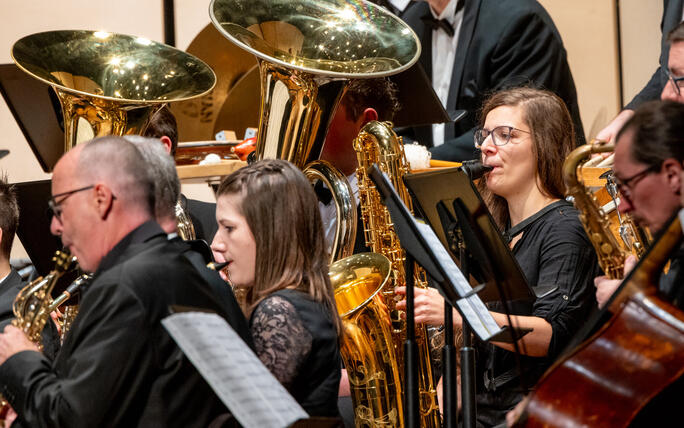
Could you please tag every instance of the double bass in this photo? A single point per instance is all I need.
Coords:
(612, 378)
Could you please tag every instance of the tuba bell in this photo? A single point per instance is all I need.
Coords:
(110, 84)
(307, 51)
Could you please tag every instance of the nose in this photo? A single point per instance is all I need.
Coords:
(669, 92)
(55, 226)
(488, 146)
(625, 206)
(218, 248)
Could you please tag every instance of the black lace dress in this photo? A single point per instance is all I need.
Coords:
(295, 338)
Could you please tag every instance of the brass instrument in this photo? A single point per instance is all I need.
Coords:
(32, 306)
(378, 144)
(367, 345)
(611, 254)
(307, 51)
(110, 84)
(70, 312)
(186, 230)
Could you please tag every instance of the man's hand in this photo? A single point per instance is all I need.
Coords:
(611, 130)
(12, 341)
(605, 287)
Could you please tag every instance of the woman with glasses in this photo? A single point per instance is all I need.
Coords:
(525, 136)
(271, 235)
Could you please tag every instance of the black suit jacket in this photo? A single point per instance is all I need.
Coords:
(118, 366)
(203, 216)
(502, 43)
(672, 16)
(9, 288)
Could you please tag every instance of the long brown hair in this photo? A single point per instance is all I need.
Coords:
(553, 138)
(281, 209)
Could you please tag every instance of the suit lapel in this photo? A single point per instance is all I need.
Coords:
(470, 13)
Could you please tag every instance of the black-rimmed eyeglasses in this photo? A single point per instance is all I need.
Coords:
(677, 82)
(55, 207)
(501, 135)
(625, 185)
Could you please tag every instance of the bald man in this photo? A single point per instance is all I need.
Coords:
(118, 366)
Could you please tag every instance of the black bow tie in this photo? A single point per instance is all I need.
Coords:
(437, 24)
(443, 24)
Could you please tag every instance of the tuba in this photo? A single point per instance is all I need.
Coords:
(367, 345)
(377, 143)
(110, 84)
(611, 254)
(307, 50)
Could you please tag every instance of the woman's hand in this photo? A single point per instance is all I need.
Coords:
(428, 305)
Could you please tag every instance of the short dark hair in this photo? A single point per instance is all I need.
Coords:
(658, 128)
(163, 123)
(677, 34)
(9, 216)
(379, 94)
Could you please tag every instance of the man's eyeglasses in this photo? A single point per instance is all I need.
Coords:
(55, 206)
(625, 185)
(501, 135)
(677, 82)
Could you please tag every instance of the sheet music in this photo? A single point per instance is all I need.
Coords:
(235, 373)
(472, 307)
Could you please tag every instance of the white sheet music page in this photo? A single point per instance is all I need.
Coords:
(472, 308)
(235, 373)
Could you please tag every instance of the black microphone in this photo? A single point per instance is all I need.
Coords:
(475, 169)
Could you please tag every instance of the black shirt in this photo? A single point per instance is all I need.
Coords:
(118, 366)
(295, 338)
(554, 250)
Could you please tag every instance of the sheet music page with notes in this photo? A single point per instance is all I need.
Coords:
(472, 307)
(235, 373)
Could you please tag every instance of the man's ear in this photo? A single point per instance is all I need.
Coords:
(673, 170)
(166, 141)
(368, 115)
(104, 199)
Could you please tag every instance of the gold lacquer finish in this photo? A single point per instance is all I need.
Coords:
(367, 347)
(186, 230)
(378, 144)
(307, 51)
(611, 254)
(32, 306)
(110, 84)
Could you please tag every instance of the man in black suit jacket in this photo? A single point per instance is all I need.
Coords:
(501, 44)
(118, 366)
(10, 280)
(672, 16)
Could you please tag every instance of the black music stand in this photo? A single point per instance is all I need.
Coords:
(458, 214)
(422, 246)
(37, 111)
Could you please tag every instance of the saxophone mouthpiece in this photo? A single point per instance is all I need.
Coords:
(217, 266)
(475, 169)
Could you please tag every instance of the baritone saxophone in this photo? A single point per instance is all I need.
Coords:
(377, 143)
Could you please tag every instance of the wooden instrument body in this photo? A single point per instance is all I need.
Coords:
(610, 377)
